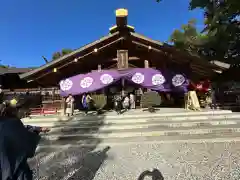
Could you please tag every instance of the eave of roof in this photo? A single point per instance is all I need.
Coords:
(63, 58)
(14, 70)
(133, 34)
(164, 45)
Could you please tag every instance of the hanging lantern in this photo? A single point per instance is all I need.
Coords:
(54, 69)
(95, 50)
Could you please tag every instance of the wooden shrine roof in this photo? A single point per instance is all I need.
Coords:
(110, 39)
(54, 63)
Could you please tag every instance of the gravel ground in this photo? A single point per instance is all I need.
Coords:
(180, 161)
(203, 161)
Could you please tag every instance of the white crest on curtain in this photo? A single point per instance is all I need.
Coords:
(66, 85)
(106, 79)
(178, 80)
(138, 78)
(158, 79)
(86, 82)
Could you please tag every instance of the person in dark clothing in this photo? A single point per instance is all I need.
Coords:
(86, 102)
(117, 103)
(17, 144)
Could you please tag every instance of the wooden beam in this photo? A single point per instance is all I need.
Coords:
(172, 50)
(148, 47)
(82, 57)
(198, 64)
(112, 66)
(129, 59)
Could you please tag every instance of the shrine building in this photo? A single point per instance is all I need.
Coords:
(122, 50)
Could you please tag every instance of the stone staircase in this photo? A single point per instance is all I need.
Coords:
(164, 126)
(75, 147)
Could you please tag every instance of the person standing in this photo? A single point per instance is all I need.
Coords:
(126, 103)
(117, 103)
(70, 105)
(17, 144)
(86, 98)
(132, 101)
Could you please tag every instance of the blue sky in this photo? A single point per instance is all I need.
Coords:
(30, 29)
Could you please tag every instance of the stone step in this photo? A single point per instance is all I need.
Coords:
(139, 124)
(78, 121)
(105, 128)
(221, 136)
(134, 115)
(144, 132)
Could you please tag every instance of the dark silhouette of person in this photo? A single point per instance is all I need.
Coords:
(155, 174)
(17, 144)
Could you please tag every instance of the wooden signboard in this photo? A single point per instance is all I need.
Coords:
(122, 59)
(192, 101)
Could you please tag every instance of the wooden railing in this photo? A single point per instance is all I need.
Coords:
(48, 95)
(43, 91)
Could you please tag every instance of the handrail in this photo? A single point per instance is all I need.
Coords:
(32, 90)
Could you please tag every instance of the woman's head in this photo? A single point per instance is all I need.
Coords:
(6, 110)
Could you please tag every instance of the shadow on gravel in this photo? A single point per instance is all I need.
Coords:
(70, 156)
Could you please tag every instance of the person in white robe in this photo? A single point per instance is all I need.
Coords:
(126, 102)
(70, 105)
(132, 101)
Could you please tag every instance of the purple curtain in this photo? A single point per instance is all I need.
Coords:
(145, 77)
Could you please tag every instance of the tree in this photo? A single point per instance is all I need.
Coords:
(56, 55)
(189, 39)
(220, 38)
(222, 26)
(66, 51)
(63, 52)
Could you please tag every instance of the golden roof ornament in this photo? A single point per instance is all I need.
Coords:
(121, 12)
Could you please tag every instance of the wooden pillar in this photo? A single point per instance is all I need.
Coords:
(123, 85)
(122, 63)
(146, 64)
(63, 106)
(99, 67)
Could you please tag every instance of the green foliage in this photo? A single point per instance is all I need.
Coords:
(222, 26)
(66, 51)
(3, 66)
(56, 55)
(188, 38)
(150, 98)
(220, 39)
(63, 52)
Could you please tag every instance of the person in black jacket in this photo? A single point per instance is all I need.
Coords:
(17, 144)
